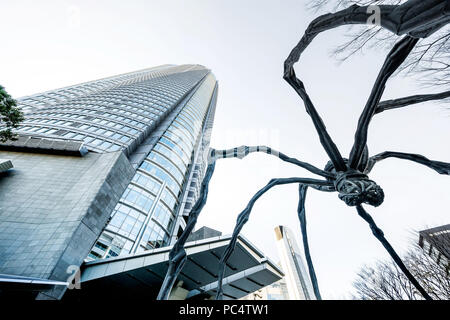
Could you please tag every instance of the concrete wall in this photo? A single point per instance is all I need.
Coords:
(53, 208)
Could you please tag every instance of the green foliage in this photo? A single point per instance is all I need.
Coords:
(10, 116)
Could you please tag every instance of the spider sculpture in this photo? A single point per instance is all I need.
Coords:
(348, 177)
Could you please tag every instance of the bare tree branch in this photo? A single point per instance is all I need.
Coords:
(386, 281)
(424, 59)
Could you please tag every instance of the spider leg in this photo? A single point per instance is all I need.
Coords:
(243, 151)
(325, 139)
(245, 214)
(414, 17)
(302, 218)
(394, 59)
(438, 166)
(407, 101)
(177, 255)
(364, 161)
(378, 233)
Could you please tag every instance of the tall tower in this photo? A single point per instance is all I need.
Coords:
(153, 210)
(297, 280)
(103, 168)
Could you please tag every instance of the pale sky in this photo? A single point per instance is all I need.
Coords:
(51, 44)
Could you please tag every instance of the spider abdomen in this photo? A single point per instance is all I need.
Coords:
(355, 188)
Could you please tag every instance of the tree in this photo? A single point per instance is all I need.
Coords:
(10, 116)
(385, 281)
(429, 61)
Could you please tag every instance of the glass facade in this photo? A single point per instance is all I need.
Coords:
(144, 217)
(113, 113)
(173, 103)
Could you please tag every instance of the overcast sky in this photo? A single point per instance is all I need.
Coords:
(51, 44)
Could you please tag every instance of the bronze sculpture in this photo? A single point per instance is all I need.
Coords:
(414, 19)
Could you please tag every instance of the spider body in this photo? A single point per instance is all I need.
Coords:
(355, 187)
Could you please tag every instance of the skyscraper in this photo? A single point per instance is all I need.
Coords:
(153, 209)
(102, 178)
(149, 127)
(297, 279)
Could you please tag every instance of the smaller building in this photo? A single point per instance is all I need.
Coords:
(296, 283)
(141, 274)
(436, 243)
(274, 291)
